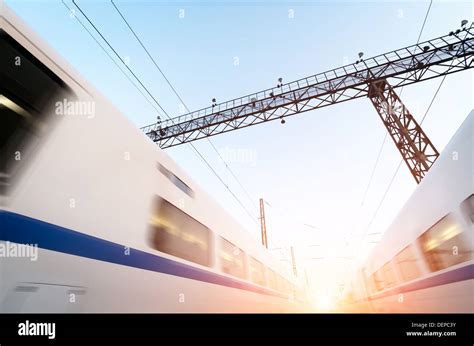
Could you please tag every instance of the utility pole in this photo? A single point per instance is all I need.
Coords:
(263, 227)
(293, 260)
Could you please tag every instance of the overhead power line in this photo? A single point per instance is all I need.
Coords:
(162, 109)
(401, 161)
(180, 99)
(111, 58)
(386, 134)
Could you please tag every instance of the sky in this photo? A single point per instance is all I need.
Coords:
(314, 170)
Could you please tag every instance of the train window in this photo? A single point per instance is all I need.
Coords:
(285, 287)
(407, 264)
(388, 275)
(175, 180)
(176, 233)
(467, 208)
(232, 259)
(371, 284)
(444, 244)
(279, 282)
(272, 279)
(257, 272)
(28, 92)
(377, 280)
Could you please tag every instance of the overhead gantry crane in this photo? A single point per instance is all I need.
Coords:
(375, 78)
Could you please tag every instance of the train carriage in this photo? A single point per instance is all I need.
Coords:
(424, 261)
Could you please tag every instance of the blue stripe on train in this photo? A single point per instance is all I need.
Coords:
(452, 276)
(25, 230)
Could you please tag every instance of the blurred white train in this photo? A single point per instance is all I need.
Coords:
(117, 225)
(424, 261)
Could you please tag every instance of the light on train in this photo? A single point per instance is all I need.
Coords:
(432, 244)
(450, 232)
(4, 101)
(447, 234)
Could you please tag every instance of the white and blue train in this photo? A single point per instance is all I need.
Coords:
(424, 261)
(111, 222)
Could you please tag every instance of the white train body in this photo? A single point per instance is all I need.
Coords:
(424, 261)
(99, 199)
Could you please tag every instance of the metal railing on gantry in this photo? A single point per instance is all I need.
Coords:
(430, 59)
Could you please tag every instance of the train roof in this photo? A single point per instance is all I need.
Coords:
(234, 231)
(430, 201)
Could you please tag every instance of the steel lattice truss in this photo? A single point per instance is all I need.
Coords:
(414, 145)
(434, 58)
